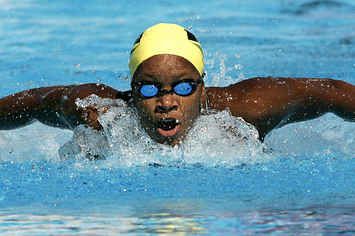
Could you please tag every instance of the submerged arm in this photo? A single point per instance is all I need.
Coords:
(268, 103)
(54, 106)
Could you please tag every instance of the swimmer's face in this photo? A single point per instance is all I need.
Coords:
(168, 116)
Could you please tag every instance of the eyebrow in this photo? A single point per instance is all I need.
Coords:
(184, 74)
(149, 76)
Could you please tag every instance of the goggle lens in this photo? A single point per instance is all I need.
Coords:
(149, 90)
(183, 89)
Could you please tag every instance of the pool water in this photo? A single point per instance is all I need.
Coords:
(299, 182)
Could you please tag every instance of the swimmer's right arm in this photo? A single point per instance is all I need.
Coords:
(54, 106)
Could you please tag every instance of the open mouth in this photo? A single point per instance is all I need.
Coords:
(168, 123)
(168, 127)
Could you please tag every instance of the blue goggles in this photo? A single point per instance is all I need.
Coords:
(148, 89)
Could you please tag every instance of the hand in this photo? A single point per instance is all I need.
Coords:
(90, 115)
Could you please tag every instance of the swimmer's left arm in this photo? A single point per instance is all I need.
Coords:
(337, 97)
(268, 103)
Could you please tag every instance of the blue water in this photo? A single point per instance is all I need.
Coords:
(305, 187)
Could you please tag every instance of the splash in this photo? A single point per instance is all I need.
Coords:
(328, 136)
(216, 139)
(221, 74)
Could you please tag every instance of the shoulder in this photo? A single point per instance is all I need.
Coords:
(101, 90)
(258, 85)
(93, 88)
(264, 82)
(241, 88)
(252, 97)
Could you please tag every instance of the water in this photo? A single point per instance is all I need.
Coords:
(300, 182)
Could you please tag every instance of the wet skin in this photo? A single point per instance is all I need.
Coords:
(266, 103)
(165, 70)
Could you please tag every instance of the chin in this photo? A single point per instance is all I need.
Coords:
(168, 140)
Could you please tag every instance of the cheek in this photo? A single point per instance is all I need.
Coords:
(145, 107)
(191, 108)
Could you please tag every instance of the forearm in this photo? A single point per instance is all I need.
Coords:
(18, 109)
(42, 104)
(311, 98)
(338, 97)
(308, 98)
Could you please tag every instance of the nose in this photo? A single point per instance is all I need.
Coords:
(165, 109)
(166, 103)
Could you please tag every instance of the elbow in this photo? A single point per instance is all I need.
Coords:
(15, 121)
(340, 99)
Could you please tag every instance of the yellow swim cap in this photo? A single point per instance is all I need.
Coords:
(166, 39)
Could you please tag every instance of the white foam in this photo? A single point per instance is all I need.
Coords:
(33, 142)
(221, 74)
(215, 139)
(325, 136)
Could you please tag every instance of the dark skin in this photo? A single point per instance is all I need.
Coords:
(266, 103)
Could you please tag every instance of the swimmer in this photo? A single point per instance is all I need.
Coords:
(168, 92)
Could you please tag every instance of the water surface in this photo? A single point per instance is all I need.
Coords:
(303, 185)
